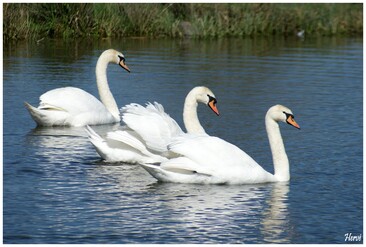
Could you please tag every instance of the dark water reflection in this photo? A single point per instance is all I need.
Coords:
(57, 190)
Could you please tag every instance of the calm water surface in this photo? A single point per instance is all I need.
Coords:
(57, 189)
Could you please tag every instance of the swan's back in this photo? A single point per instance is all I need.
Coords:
(70, 99)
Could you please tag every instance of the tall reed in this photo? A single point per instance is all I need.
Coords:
(204, 20)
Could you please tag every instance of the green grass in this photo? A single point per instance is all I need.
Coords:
(205, 20)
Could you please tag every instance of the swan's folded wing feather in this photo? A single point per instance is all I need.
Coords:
(70, 99)
(211, 151)
(121, 146)
(178, 170)
(154, 126)
(128, 139)
(184, 165)
(227, 162)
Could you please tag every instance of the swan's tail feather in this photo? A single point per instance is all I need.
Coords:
(36, 114)
(92, 135)
(100, 144)
(46, 115)
(155, 170)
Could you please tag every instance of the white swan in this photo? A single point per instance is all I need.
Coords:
(70, 106)
(211, 160)
(149, 130)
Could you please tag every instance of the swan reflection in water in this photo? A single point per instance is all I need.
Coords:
(197, 213)
(236, 212)
(63, 144)
(276, 226)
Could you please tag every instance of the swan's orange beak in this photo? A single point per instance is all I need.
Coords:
(123, 65)
(290, 120)
(212, 105)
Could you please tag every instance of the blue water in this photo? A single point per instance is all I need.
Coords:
(56, 188)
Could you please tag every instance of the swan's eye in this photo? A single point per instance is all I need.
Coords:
(289, 116)
(121, 58)
(210, 98)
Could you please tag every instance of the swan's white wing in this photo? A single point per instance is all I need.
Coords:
(70, 99)
(185, 165)
(154, 126)
(225, 162)
(129, 138)
(121, 146)
(210, 151)
(122, 136)
(72, 106)
(145, 137)
(179, 170)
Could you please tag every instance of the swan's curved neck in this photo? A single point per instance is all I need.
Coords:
(279, 156)
(105, 93)
(190, 118)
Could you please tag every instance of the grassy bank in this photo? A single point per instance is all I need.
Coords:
(72, 20)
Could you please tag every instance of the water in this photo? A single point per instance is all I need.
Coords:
(57, 190)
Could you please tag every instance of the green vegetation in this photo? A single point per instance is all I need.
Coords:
(203, 20)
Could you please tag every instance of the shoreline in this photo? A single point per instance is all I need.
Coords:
(36, 21)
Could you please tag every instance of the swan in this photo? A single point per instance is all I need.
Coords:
(149, 130)
(70, 106)
(211, 160)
